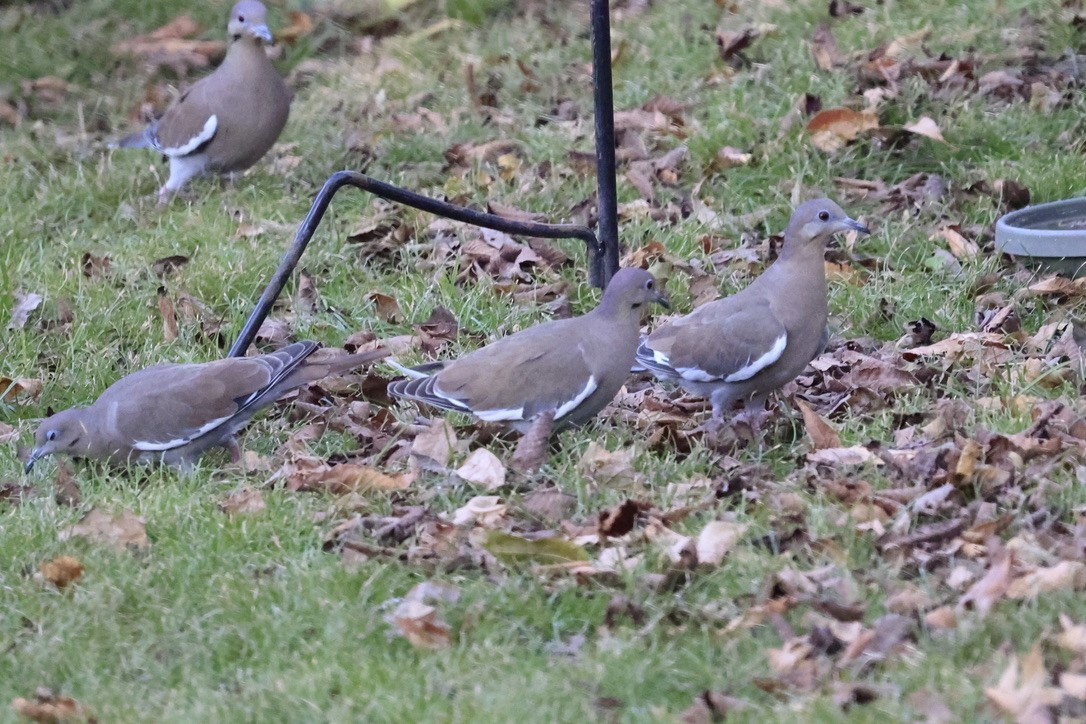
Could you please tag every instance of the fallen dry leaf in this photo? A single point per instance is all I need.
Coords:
(732, 43)
(908, 600)
(249, 231)
(48, 708)
(789, 657)
(1059, 286)
(25, 303)
(680, 548)
(1073, 684)
(65, 489)
(1024, 694)
(10, 389)
(1073, 635)
(1065, 575)
(122, 531)
(549, 504)
(943, 617)
(245, 501)
(172, 46)
(386, 308)
(610, 468)
(619, 520)
(168, 265)
(822, 434)
(710, 707)
(728, 157)
(301, 24)
(306, 297)
(957, 345)
(169, 316)
(986, 592)
(416, 616)
(60, 571)
(855, 455)
(486, 510)
(510, 549)
(716, 539)
(434, 445)
(834, 127)
(421, 625)
(94, 266)
(959, 246)
(932, 706)
(347, 478)
(927, 127)
(483, 468)
(534, 444)
(824, 48)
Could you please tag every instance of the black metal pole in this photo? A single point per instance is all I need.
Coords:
(409, 198)
(606, 195)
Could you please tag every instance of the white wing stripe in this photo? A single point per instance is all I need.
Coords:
(151, 446)
(195, 142)
(694, 374)
(761, 363)
(500, 415)
(751, 368)
(458, 404)
(507, 414)
(587, 390)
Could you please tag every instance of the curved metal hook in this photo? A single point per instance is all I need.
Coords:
(596, 256)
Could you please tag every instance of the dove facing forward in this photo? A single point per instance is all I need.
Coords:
(228, 120)
(745, 346)
(173, 413)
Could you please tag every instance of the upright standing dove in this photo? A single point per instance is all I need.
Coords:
(745, 346)
(175, 412)
(227, 121)
(570, 368)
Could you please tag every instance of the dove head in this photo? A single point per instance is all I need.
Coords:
(247, 19)
(629, 291)
(65, 432)
(814, 222)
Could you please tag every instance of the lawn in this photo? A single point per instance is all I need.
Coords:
(900, 563)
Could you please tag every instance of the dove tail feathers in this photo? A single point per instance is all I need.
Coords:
(421, 389)
(323, 362)
(417, 372)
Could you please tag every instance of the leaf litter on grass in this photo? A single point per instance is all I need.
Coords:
(884, 451)
(948, 489)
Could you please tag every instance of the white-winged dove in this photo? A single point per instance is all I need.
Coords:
(176, 412)
(745, 346)
(569, 367)
(227, 121)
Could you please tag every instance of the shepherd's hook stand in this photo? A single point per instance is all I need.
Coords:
(602, 251)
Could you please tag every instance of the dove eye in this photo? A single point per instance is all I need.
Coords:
(51, 435)
(823, 216)
(241, 18)
(649, 284)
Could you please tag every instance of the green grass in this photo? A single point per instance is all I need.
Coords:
(246, 618)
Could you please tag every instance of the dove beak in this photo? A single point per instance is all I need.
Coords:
(35, 455)
(855, 226)
(261, 32)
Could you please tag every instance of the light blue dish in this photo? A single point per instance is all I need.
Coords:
(1051, 235)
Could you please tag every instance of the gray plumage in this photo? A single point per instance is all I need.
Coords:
(573, 367)
(747, 345)
(227, 121)
(176, 412)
